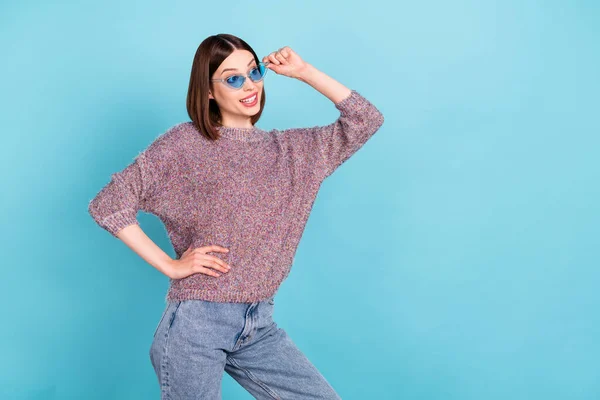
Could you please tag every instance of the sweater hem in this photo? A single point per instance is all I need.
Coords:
(174, 295)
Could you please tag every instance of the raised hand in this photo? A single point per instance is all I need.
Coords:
(286, 61)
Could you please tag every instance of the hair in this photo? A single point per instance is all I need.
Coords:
(204, 112)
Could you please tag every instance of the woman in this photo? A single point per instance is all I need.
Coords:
(234, 199)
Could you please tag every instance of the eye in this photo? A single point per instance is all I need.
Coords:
(234, 78)
(255, 73)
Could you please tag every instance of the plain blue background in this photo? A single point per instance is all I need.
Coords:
(455, 256)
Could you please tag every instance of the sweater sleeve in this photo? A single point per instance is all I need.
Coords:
(358, 121)
(117, 203)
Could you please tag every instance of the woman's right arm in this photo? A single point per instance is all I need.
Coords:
(116, 206)
(115, 209)
(137, 240)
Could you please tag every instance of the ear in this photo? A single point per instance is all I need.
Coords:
(210, 96)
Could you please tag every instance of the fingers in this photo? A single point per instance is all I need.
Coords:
(195, 260)
(212, 261)
(202, 262)
(285, 53)
(205, 271)
(280, 56)
(208, 265)
(271, 57)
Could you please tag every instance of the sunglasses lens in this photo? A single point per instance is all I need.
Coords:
(258, 73)
(235, 81)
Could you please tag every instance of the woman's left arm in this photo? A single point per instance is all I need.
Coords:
(358, 121)
(326, 85)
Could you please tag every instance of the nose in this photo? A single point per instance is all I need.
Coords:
(249, 84)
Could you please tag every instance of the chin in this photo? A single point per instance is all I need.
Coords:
(251, 110)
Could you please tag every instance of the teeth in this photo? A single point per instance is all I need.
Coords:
(250, 100)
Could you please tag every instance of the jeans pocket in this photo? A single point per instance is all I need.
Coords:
(175, 308)
(161, 319)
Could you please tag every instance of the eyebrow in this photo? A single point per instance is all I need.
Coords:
(235, 69)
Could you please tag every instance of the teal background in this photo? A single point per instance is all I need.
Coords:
(455, 256)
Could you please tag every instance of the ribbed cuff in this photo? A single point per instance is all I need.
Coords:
(119, 220)
(352, 103)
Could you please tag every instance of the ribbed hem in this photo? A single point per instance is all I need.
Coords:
(222, 297)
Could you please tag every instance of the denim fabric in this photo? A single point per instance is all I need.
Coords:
(196, 340)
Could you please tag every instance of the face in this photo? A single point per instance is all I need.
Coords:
(233, 111)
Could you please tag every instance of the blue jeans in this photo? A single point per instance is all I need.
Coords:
(196, 340)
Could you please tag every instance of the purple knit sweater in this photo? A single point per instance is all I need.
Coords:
(250, 191)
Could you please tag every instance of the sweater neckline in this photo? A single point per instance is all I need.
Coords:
(243, 134)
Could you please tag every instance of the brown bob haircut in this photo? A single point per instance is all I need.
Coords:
(204, 112)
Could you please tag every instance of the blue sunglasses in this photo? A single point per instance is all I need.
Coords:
(237, 81)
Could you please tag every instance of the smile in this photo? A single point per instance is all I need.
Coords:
(250, 101)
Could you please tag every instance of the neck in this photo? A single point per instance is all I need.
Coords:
(236, 121)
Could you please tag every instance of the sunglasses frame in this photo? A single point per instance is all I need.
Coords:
(244, 76)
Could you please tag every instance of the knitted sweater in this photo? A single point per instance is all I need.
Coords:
(250, 191)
